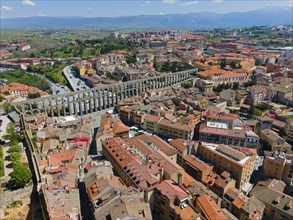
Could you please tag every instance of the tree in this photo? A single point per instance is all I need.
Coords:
(15, 157)
(131, 59)
(235, 85)
(10, 130)
(138, 133)
(7, 107)
(20, 175)
(187, 85)
(34, 95)
(13, 148)
(223, 63)
(257, 61)
(233, 65)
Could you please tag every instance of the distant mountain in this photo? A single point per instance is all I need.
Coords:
(266, 16)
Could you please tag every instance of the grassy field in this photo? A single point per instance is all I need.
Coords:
(288, 116)
(1, 162)
(22, 77)
(54, 38)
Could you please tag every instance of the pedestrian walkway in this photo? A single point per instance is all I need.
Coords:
(7, 163)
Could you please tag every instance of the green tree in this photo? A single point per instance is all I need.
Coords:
(187, 85)
(34, 95)
(138, 133)
(15, 157)
(257, 61)
(223, 63)
(7, 107)
(233, 65)
(13, 148)
(235, 85)
(131, 59)
(10, 130)
(20, 175)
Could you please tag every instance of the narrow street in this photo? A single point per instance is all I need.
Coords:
(7, 163)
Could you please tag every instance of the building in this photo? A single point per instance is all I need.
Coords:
(229, 96)
(175, 129)
(206, 86)
(271, 140)
(196, 168)
(220, 76)
(208, 208)
(84, 67)
(154, 143)
(277, 204)
(184, 147)
(219, 134)
(289, 129)
(240, 96)
(109, 197)
(257, 94)
(131, 117)
(279, 166)
(202, 66)
(138, 173)
(170, 169)
(62, 204)
(242, 206)
(110, 126)
(171, 202)
(151, 123)
(16, 90)
(128, 166)
(224, 158)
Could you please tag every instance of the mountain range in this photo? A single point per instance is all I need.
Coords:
(265, 16)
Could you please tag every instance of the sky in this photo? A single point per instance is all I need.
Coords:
(115, 8)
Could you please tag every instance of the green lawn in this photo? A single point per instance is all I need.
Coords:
(1, 162)
(21, 76)
(288, 116)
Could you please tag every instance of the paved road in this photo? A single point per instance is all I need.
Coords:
(7, 163)
(57, 89)
(76, 83)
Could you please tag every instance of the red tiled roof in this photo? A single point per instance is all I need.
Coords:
(209, 207)
(172, 190)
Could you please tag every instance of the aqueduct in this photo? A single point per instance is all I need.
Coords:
(99, 98)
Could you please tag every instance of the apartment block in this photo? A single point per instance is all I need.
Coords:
(171, 129)
(183, 147)
(217, 133)
(278, 205)
(279, 166)
(171, 202)
(272, 140)
(224, 158)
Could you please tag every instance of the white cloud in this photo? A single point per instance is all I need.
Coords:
(6, 8)
(188, 3)
(28, 2)
(162, 13)
(41, 14)
(169, 1)
(217, 1)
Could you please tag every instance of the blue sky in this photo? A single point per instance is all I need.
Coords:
(114, 8)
